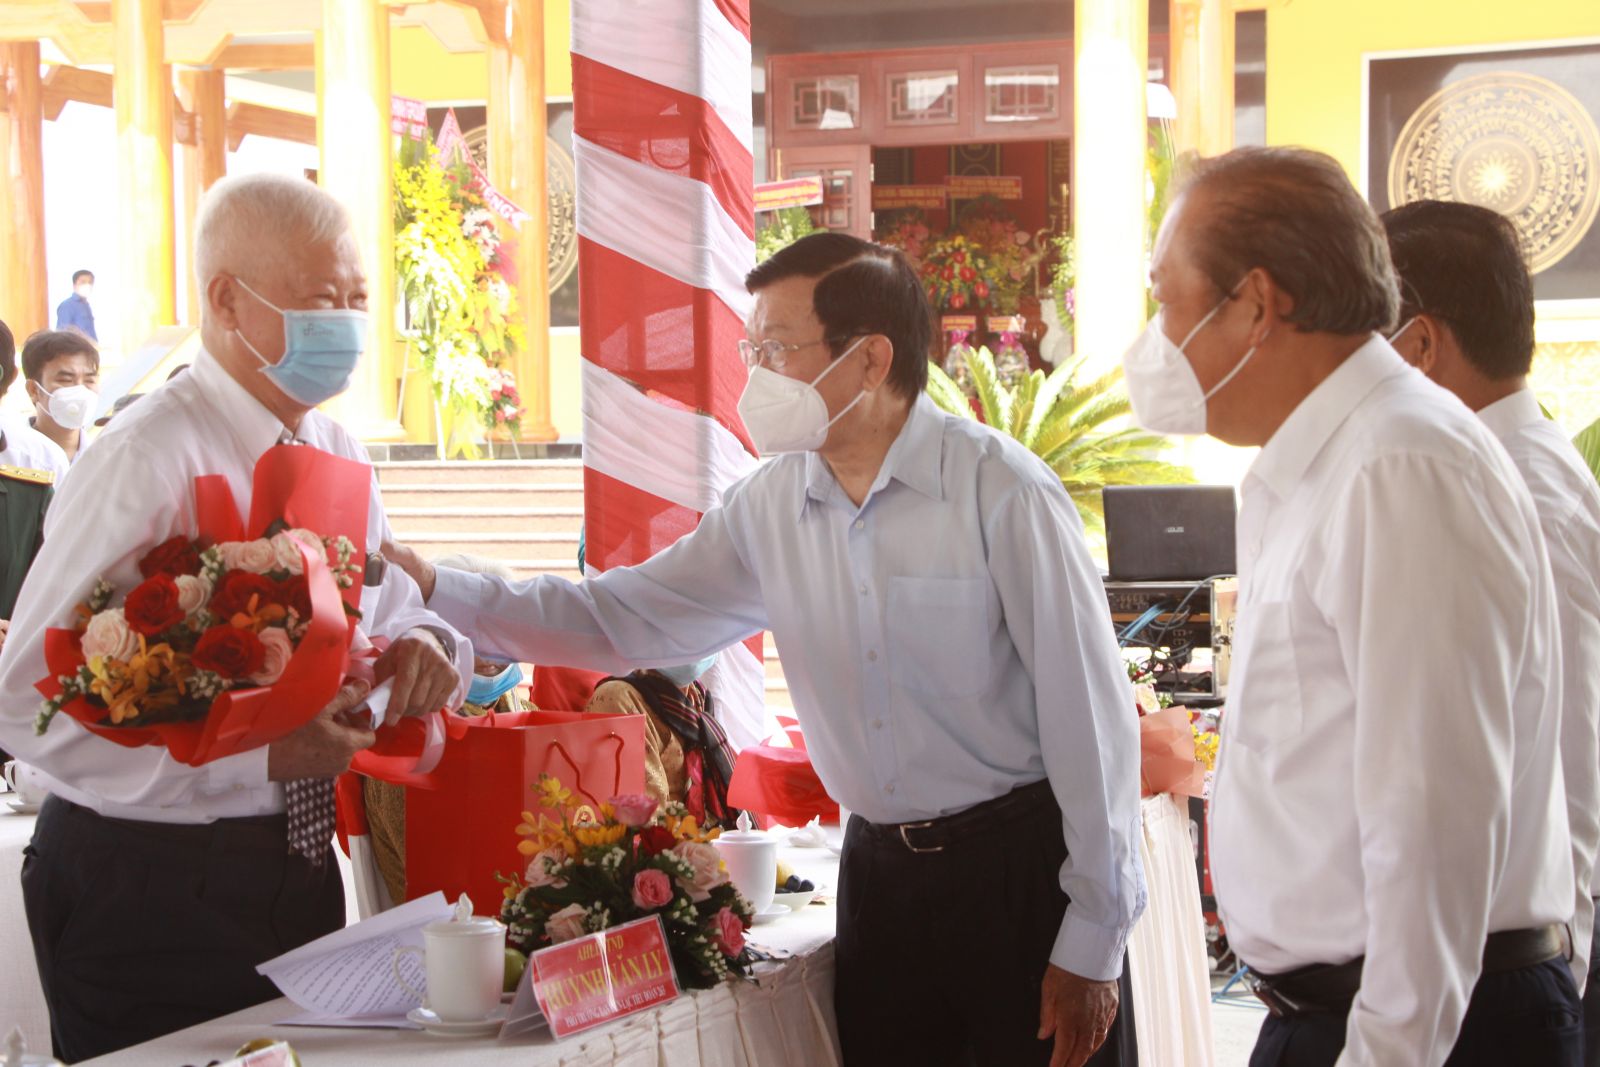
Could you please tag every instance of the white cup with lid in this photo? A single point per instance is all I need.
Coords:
(464, 968)
(752, 859)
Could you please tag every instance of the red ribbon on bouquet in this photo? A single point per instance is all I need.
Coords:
(304, 487)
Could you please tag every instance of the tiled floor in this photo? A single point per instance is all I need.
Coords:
(1234, 1025)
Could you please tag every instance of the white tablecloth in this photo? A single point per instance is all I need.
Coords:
(1167, 951)
(784, 1019)
(21, 1000)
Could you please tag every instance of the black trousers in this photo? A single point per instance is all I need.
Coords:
(941, 956)
(1591, 1005)
(1524, 1018)
(141, 929)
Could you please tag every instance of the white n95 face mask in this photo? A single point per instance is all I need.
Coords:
(72, 406)
(1166, 395)
(787, 415)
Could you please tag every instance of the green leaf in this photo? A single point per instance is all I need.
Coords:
(1588, 445)
(946, 393)
(993, 397)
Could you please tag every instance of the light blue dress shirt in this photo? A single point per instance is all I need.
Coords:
(945, 642)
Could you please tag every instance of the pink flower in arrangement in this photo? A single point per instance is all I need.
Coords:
(729, 935)
(634, 809)
(566, 924)
(652, 889)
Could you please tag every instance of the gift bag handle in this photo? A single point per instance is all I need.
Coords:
(577, 775)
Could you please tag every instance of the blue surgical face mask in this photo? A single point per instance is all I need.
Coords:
(685, 676)
(321, 348)
(487, 690)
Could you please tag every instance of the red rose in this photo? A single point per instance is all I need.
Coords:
(982, 290)
(967, 274)
(233, 593)
(230, 652)
(958, 301)
(654, 839)
(153, 607)
(947, 274)
(960, 257)
(295, 594)
(175, 557)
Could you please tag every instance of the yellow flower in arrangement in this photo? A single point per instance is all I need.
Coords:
(1205, 746)
(599, 835)
(685, 828)
(259, 616)
(552, 793)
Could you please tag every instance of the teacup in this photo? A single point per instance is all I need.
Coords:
(25, 782)
(464, 968)
(752, 859)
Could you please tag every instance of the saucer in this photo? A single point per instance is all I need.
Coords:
(485, 1027)
(772, 914)
(795, 901)
(22, 807)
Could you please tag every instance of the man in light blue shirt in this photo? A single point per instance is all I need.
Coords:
(949, 649)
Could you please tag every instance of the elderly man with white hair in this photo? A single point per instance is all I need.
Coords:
(153, 889)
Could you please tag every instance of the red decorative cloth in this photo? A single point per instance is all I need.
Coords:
(781, 784)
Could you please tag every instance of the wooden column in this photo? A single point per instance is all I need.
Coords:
(357, 167)
(517, 131)
(206, 161)
(142, 89)
(1110, 139)
(24, 306)
(1202, 74)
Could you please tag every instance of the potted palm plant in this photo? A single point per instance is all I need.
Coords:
(1072, 426)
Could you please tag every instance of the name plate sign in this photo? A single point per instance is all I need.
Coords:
(582, 983)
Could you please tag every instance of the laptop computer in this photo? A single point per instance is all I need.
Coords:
(1158, 533)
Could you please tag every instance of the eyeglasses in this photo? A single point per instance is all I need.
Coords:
(775, 354)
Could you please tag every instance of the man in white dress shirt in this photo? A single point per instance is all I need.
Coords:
(1389, 838)
(153, 889)
(948, 643)
(1466, 312)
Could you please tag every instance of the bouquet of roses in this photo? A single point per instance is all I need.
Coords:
(228, 642)
(1177, 753)
(955, 274)
(505, 404)
(590, 870)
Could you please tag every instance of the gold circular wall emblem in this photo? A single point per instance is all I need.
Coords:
(561, 196)
(1516, 143)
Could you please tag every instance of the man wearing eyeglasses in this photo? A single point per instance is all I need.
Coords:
(950, 653)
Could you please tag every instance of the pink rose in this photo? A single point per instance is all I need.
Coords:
(729, 934)
(566, 924)
(193, 593)
(279, 649)
(109, 635)
(254, 557)
(706, 870)
(538, 874)
(634, 809)
(651, 889)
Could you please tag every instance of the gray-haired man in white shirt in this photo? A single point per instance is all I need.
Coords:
(1389, 836)
(1466, 312)
(153, 889)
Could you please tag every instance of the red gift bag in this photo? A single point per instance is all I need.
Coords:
(462, 828)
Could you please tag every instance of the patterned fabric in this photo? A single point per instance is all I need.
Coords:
(691, 715)
(311, 817)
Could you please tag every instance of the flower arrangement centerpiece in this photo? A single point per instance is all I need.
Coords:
(591, 870)
(955, 274)
(909, 234)
(505, 403)
(452, 265)
(1009, 252)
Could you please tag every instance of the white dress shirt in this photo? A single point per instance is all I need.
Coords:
(945, 642)
(1390, 784)
(26, 447)
(1568, 501)
(132, 491)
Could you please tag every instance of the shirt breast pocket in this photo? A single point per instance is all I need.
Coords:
(1264, 703)
(938, 635)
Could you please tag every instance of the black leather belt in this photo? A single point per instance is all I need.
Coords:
(1331, 988)
(935, 835)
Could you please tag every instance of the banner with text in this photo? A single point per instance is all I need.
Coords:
(973, 186)
(582, 983)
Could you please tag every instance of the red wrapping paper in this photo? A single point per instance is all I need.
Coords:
(305, 487)
(780, 783)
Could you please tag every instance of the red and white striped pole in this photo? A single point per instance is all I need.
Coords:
(666, 234)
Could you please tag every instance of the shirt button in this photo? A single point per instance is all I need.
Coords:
(877, 724)
(863, 589)
(872, 655)
(889, 788)
(861, 524)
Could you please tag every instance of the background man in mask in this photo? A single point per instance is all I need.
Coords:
(1466, 310)
(75, 313)
(153, 888)
(1388, 832)
(62, 368)
(950, 651)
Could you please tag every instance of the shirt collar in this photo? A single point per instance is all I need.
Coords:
(256, 428)
(916, 459)
(1508, 415)
(1285, 458)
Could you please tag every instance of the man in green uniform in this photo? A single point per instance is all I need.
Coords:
(25, 490)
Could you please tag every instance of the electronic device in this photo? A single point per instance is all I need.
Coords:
(1187, 629)
(1169, 533)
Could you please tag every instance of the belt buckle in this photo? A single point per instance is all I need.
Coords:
(1276, 1003)
(907, 840)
